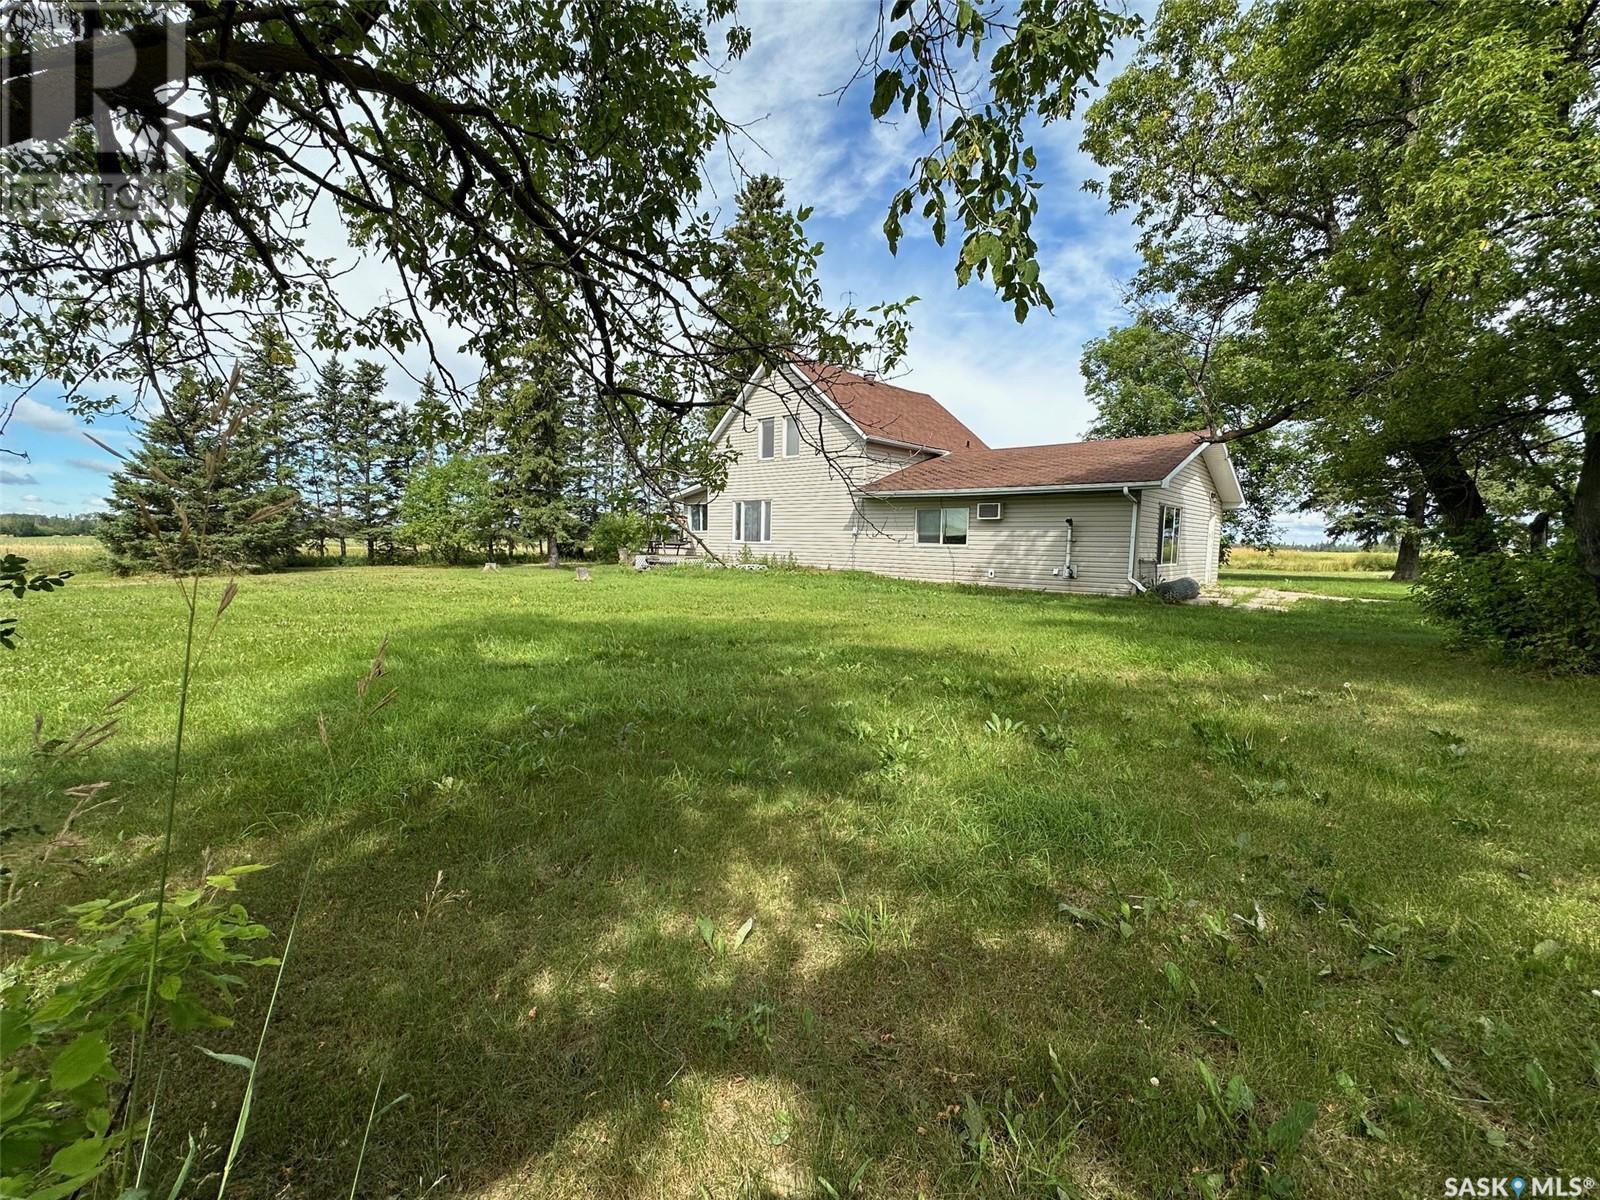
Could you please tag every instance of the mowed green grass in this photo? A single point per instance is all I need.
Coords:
(1311, 849)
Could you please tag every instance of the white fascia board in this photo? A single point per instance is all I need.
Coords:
(1040, 490)
(1187, 459)
(1230, 492)
(883, 441)
(738, 405)
(1226, 480)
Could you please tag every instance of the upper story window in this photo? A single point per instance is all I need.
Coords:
(791, 436)
(942, 526)
(767, 434)
(1170, 521)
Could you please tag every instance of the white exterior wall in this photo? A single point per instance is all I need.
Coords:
(1199, 527)
(813, 505)
(820, 520)
(1026, 548)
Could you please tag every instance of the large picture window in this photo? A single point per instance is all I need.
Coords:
(766, 437)
(752, 521)
(942, 526)
(1170, 521)
(791, 436)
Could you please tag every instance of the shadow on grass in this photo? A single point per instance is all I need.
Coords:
(512, 858)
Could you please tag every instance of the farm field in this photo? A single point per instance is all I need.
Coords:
(1024, 872)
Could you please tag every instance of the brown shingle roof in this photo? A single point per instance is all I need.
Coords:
(1110, 463)
(895, 413)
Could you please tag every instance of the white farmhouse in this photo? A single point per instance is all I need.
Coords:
(844, 471)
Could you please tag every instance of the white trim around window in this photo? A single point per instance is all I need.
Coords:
(791, 436)
(697, 518)
(766, 436)
(752, 521)
(1168, 548)
(942, 526)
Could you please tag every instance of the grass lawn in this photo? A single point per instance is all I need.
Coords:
(1017, 866)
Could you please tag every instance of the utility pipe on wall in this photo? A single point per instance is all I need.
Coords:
(1133, 537)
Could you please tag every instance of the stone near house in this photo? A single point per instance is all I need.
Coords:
(582, 575)
(491, 566)
(1177, 591)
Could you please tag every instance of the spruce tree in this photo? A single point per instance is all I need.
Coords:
(270, 388)
(370, 451)
(747, 288)
(435, 432)
(330, 474)
(191, 494)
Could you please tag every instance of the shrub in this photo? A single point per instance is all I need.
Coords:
(1538, 607)
(620, 532)
(71, 1007)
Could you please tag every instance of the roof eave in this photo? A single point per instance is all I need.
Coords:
(1042, 489)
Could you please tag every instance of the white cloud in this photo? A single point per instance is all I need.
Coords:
(30, 413)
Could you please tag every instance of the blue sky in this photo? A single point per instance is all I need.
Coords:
(1014, 384)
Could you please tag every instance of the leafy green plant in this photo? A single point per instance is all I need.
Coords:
(1229, 1116)
(19, 581)
(869, 925)
(68, 1007)
(730, 1026)
(999, 726)
(621, 532)
(1537, 607)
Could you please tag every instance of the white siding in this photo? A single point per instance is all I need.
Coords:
(1026, 548)
(812, 493)
(1193, 492)
(820, 519)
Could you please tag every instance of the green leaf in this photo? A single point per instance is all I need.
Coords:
(169, 987)
(744, 932)
(1240, 1098)
(1286, 1133)
(233, 1060)
(80, 1158)
(86, 1057)
(884, 89)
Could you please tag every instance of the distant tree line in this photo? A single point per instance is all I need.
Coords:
(525, 463)
(18, 524)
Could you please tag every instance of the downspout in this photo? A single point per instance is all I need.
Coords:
(1133, 538)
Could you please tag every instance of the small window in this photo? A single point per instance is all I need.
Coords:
(766, 437)
(697, 518)
(942, 526)
(791, 436)
(752, 521)
(1170, 519)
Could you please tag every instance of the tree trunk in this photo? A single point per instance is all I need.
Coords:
(1409, 559)
(1463, 515)
(1586, 505)
(555, 552)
